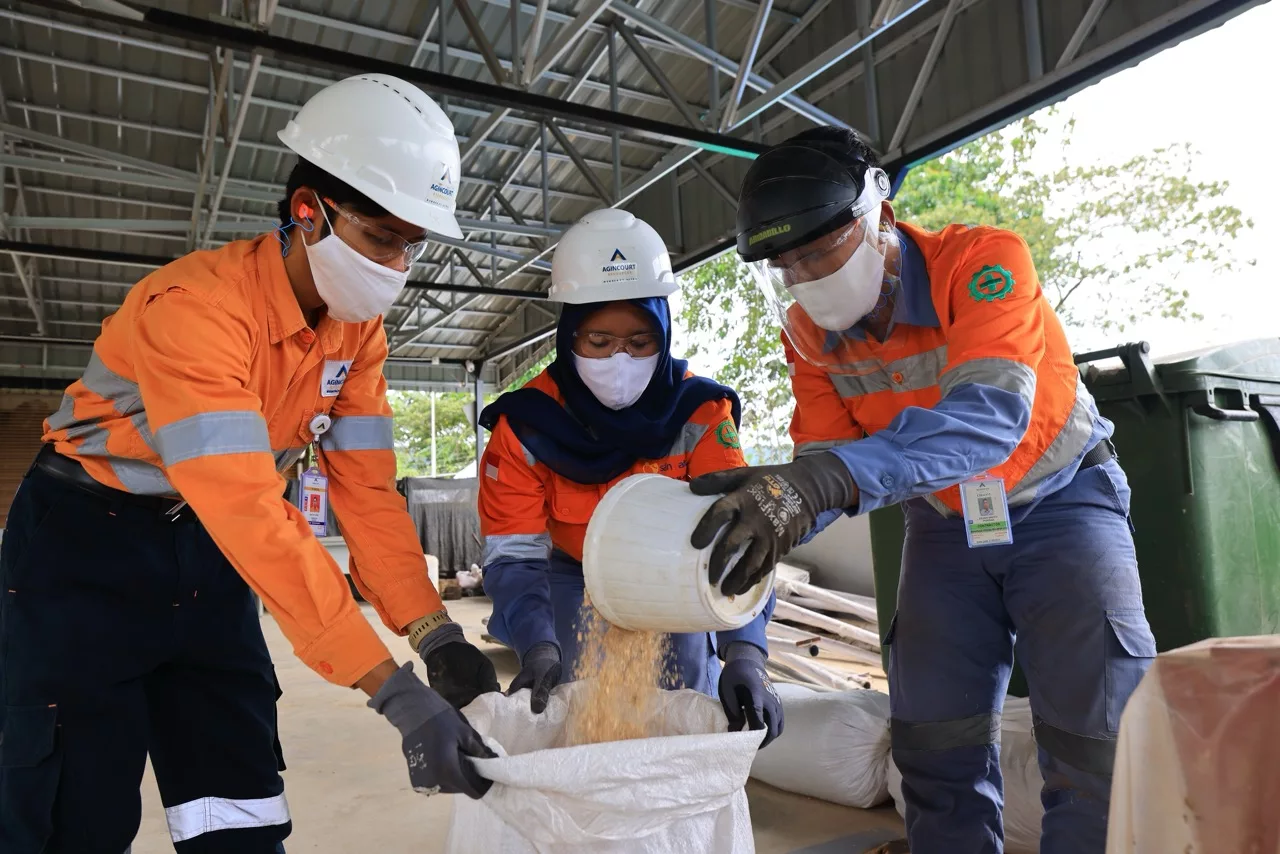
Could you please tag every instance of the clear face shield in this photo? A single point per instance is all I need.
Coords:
(821, 290)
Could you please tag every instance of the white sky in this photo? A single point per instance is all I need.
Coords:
(1212, 91)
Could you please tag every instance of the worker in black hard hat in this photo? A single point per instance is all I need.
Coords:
(929, 370)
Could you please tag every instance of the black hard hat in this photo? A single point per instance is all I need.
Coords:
(794, 193)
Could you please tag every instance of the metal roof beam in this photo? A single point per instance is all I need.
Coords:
(116, 121)
(819, 64)
(472, 23)
(925, 73)
(728, 66)
(744, 67)
(1087, 23)
(242, 112)
(587, 172)
(533, 40)
(164, 21)
(291, 108)
(457, 52)
(569, 35)
(258, 224)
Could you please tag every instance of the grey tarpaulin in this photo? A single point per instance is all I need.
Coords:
(444, 511)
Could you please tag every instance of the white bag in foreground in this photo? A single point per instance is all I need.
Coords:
(1020, 765)
(677, 794)
(1198, 763)
(834, 746)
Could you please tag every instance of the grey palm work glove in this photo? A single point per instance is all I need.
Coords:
(767, 509)
(540, 671)
(455, 668)
(436, 738)
(747, 694)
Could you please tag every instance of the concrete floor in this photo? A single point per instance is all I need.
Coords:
(348, 789)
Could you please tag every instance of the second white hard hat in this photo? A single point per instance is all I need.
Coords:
(388, 140)
(610, 255)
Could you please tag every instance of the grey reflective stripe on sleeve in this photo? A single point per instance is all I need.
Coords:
(1005, 374)
(806, 448)
(1066, 447)
(945, 735)
(916, 372)
(213, 434)
(122, 394)
(690, 436)
(360, 433)
(517, 547)
(1088, 754)
(286, 458)
(141, 478)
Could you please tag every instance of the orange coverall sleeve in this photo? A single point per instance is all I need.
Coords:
(193, 362)
(820, 420)
(719, 448)
(358, 456)
(995, 333)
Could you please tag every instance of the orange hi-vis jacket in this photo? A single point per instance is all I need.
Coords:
(975, 376)
(204, 386)
(525, 507)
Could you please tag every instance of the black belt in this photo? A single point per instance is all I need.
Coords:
(1098, 455)
(69, 471)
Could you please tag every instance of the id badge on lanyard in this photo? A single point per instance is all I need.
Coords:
(986, 512)
(313, 500)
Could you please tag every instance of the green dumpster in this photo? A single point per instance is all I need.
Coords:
(1199, 436)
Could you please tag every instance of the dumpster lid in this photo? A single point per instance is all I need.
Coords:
(1251, 366)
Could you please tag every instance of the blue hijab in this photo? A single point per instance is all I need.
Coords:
(586, 441)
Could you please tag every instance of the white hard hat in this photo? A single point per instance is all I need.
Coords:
(610, 255)
(388, 140)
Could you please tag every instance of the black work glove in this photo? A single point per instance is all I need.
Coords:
(455, 668)
(539, 672)
(747, 694)
(436, 738)
(771, 507)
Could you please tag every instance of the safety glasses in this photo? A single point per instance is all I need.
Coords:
(374, 242)
(598, 345)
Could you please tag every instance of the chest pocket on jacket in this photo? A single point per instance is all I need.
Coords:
(572, 503)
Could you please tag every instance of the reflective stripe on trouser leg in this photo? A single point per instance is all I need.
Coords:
(950, 653)
(1084, 643)
(208, 815)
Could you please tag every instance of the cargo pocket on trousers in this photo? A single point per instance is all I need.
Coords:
(30, 764)
(1130, 650)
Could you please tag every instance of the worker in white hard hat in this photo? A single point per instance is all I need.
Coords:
(155, 512)
(614, 403)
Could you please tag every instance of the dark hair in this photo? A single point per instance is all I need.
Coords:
(307, 174)
(842, 144)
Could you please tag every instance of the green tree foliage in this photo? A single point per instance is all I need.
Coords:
(1154, 221)
(455, 438)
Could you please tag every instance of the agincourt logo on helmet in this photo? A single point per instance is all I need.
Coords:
(774, 231)
(441, 186)
(619, 269)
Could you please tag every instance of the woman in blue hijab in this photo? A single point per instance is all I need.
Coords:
(612, 404)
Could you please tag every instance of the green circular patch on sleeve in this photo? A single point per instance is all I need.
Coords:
(727, 434)
(992, 282)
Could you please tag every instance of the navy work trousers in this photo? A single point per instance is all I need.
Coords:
(124, 634)
(1065, 596)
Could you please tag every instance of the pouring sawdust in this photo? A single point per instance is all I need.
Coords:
(621, 674)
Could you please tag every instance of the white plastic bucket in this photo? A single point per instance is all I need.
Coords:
(643, 574)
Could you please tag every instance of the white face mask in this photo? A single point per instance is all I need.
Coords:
(354, 288)
(617, 381)
(839, 300)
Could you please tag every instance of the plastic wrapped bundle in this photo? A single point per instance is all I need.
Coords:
(1198, 764)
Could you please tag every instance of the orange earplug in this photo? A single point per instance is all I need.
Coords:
(304, 211)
